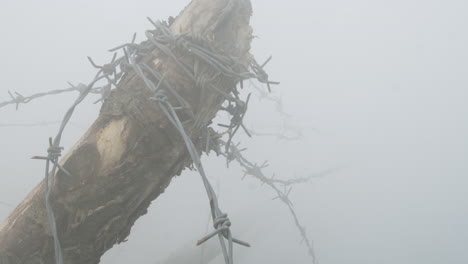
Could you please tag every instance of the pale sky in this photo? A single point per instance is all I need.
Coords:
(380, 88)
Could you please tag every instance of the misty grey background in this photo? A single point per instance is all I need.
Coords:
(379, 87)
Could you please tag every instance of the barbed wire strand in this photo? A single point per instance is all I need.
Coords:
(256, 172)
(235, 122)
(17, 98)
(225, 65)
(221, 221)
(287, 132)
(54, 152)
(203, 247)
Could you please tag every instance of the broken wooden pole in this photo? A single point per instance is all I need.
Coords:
(131, 152)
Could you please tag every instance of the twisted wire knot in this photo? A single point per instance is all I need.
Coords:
(54, 152)
(262, 75)
(222, 223)
(17, 98)
(81, 88)
(230, 156)
(108, 68)
(104, 92)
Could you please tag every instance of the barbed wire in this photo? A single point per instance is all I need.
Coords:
(163, 39)
(221, 221)
(17, 98)
(54, 150)
(256, 171)
(237, 109)
(53, 153)
(287, 132)
(203, 246)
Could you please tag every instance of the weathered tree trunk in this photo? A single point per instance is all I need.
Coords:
(129, 155)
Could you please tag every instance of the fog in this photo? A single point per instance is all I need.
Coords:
(378, 88)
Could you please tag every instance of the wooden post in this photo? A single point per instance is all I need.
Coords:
(129, 155)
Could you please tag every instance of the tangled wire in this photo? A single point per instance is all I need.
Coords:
(164, 40)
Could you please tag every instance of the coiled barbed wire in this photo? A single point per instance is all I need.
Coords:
(130, 61)
(221, 221)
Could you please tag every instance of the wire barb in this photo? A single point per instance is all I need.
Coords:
(163, 39)
(256, 172)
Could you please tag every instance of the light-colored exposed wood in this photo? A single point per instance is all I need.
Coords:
(127, 157)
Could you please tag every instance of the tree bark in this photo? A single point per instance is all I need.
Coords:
(131, 152)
